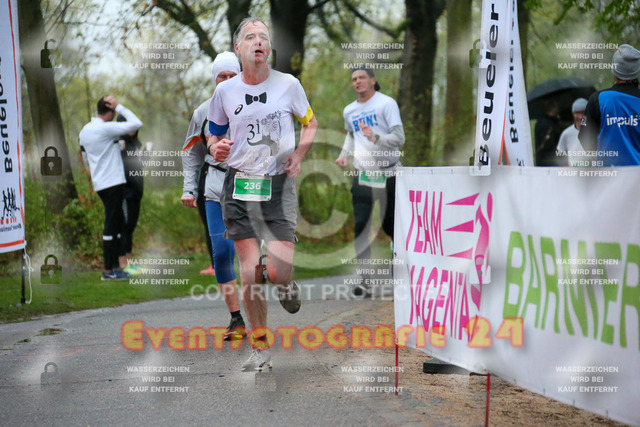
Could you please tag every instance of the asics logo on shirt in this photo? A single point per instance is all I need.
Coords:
(238, 109)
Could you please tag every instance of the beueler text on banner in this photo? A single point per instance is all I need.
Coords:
(517, 133)
(12, 234)
(492, 83)
(532, 274)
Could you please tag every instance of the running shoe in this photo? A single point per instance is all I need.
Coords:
(259, 360)
(362, 289)
(290, 297)
(115, 275)
(132, 270)
(209, 271)
(236, 330)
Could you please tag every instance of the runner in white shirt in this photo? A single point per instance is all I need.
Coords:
(259, 199)
(374, 138)
(100, 141)
(197, 186)
(225, 66)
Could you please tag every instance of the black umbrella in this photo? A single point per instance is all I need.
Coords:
(563, 90)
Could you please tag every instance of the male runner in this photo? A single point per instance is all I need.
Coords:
(259, 198)
(225, 66)
(374, 137)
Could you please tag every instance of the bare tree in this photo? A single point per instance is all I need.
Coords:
(459, 112)
(289, 21)
(237, 10)
(416, 85)
(184, 14)
(43, 100)
(524, 19)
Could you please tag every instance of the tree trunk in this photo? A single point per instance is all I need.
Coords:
(459, 113)
(289, 21)
(289, 24)
(45, 110)
(416, 86)
(523, 26)
(237, 10)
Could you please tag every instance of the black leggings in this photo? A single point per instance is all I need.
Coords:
(364, 199)
(113, 225)
(131, 209)
(201, 208)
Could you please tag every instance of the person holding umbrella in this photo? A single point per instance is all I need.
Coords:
(542, 100)
(611, 125)
(547, 134)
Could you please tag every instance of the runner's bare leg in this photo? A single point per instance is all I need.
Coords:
(230, 294)
(253, 298)
(281, 253)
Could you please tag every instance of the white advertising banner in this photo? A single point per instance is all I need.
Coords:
(531, 274)
(502, 113)
(492, 82)
(517, 133)
(11, 183)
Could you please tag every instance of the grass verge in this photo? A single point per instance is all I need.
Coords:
(83, 290)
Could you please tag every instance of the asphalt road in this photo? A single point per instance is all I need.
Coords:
(101, 382)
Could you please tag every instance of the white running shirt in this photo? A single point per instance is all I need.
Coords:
(381, 113)
(260, 120)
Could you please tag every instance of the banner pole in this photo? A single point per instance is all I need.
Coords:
(22, 298)
(486, 414)
(397, 369)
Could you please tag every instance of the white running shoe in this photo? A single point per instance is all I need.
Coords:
(259, 360)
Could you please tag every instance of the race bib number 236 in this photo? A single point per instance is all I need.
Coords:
(252, 188)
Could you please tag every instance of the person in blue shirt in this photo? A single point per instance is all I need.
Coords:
(611, 125)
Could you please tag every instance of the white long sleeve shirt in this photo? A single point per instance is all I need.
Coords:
(196, 151)
(100, 141)
(197, 155)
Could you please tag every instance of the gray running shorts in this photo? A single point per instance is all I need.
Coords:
(270, 220)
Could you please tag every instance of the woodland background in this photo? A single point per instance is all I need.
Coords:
(97, 55)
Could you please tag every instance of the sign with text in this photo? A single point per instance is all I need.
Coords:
(12, 185)
(529, 273)
(502, 112)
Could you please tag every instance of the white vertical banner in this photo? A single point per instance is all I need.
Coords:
(12, 235)
(517, 133)
(492, 84)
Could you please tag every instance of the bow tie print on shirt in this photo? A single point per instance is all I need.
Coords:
(249, 99)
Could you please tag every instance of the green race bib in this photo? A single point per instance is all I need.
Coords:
(252, 188)
(373, 179)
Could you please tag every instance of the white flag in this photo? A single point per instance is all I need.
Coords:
(517, 133)
(502, 114)
(11, 183)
